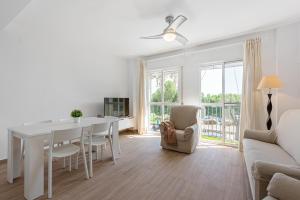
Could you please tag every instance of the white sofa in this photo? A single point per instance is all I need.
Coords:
(269, 152)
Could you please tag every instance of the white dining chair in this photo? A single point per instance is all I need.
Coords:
(64, 120)
(100, 135)
(46, 143)
(65, 150)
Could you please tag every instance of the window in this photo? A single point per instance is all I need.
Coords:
(163, 92)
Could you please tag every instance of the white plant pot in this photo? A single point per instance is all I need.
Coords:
(77, 119)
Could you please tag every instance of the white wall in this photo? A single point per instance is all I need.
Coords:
(191, 62)
(288, 66)
(9, 9)
(280, 55)
(45, 78)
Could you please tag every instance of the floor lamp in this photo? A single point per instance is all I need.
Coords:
(269, 82)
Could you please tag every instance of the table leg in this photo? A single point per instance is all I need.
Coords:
(90, 155)
(34, 167)
(13, 157)
(115, 139)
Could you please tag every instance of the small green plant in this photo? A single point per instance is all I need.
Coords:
(76, 113)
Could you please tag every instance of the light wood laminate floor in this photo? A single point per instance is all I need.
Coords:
(145, 171)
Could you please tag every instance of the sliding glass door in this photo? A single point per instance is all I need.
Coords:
(233, 79)
(163, 91)
(221, 89)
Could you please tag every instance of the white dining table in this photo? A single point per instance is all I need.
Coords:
(34, 137)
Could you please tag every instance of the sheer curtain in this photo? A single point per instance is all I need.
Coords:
(141, 107)
(252, 101)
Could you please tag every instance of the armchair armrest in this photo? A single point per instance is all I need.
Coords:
(161, 126)
(284, 187)
(188, 131)
(261, 135)
(265, 170)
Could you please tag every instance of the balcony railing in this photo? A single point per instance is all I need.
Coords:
(212, 123)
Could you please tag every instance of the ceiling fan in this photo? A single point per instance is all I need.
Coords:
(170, 33)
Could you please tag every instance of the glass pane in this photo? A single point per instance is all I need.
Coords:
(233, 91)
(211, 101)
(155, 87)
(167, 111)
(171, 80)
(155, 117)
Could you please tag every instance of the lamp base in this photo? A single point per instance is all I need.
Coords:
(269, 110)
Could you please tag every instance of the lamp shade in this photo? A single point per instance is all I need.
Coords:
(270, 82)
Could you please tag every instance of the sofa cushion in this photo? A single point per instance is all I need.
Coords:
(284, 187)
(288, 133)
(256, 150)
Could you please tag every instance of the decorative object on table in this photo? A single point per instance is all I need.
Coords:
(269, 82)
(76, 114)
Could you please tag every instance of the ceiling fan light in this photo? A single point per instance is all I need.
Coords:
(169, 37)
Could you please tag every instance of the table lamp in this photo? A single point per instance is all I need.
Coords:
(269, 82)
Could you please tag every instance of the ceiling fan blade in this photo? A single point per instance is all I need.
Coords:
(177, 22)
(160, 36)
(181, 39)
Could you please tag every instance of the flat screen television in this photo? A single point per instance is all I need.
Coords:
(117, 107)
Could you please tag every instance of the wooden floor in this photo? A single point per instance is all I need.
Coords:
(145, 171)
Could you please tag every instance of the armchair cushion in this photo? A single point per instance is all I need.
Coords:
(262, 170)
(264, 136)
(284, 187)
(183, 116)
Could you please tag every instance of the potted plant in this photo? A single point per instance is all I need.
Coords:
(76, 114)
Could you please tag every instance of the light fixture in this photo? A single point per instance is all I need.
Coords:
(269, 82)
(169, 35)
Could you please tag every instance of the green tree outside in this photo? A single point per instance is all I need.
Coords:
(170, 95)
(217, 98)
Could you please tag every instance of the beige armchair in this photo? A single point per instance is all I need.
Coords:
(184, 119)
(283, 187)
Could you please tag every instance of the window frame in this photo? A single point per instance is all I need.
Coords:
(162, 103)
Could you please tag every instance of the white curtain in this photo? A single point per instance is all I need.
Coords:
(141, 108)
(252, 111)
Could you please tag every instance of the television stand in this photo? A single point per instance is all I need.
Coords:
(125, 122)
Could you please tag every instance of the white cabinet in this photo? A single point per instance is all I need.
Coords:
(127, 123)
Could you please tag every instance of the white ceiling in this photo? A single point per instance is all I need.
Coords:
(118, 24)
(9, 9)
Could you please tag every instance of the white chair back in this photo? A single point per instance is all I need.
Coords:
(38, 122)
(62, 135)
(100, 128)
